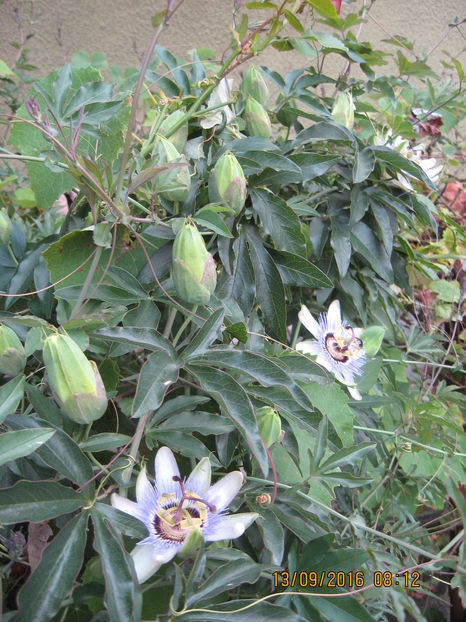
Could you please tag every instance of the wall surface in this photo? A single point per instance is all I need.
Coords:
(122, 29)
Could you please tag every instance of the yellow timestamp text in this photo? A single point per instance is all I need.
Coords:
(348, 580)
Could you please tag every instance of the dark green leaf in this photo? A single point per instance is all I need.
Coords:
(157, 374)
(37, 501)
(348, 455)
(208, 333)
(296, 270)
(364, 163)
(400, 163)
(21, 443)
(50, 583)
(243, 287)
(147, 338)
(11, 394)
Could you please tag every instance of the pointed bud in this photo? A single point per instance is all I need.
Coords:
(180, 137)
(74, 380)
(4, 228)
(253, 85)
(12, 355)
(269, 424)
(285, 116)
(194, 273)
(257, 119)
(343, 110)
(172, 185)
(230, 182)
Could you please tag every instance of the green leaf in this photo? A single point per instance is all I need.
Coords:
(124, 523)
(332, 401)
(400, 163)
(272, 535)
(261, 612)
(238, 331)
(25, 197)
(15, 445)
(11, 394)
(5, 71)
(364, 163)
(243, 286)
(348, 455)
(157, 374)
(123, 598)
(105, 441)
(146, 338)
(234, 403)
(296, 270)
(372, 338)
(366, 244)
(50, 583)
(340, 242)
(209, 218)
(206, 335)
(24, 275)
(37, 501)
(60, 452)
(294, 21)
(278, 220)
(269, 286)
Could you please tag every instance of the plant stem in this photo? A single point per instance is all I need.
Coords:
(133, 452)
(169, 324)
(87, 282)
(184, 325)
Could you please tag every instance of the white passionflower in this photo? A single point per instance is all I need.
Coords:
(174, 508)
(221, 94)
(430, 166)
(338, 346)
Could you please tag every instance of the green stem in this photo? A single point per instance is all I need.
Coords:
(133, 452)
(87, 282)
(169, 324)
(423, 363)
(379, 534)
(184, 325)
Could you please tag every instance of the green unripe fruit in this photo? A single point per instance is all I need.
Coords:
(4, 228)
(269, 424)
(174, 184)
(253, 85)
(286, 117)
(194, 274)
(257, 119)
(230, 182)
(343, 110)
(74, 380)
(179, 138)
(12, 355)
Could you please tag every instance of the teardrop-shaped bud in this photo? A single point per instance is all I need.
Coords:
(194, 273)
(75, 381)
(230, 182)
(269, 424)
(283, 114)
(12, 355)
(4, 228)
(257, 119)
(173, 184)
(179, 137)
(253, 85)
(343, 110)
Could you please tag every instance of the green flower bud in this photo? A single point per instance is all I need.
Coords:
(343, 110)
(173, 185)
(286, 117)
(230, 182)
(74, 380)
(253, 85)
(12, 355)
(180, 137)
(269, 424)
(4, 228)
(257, 119)
(194, 274)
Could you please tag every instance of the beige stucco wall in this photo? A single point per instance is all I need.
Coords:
(122, 29)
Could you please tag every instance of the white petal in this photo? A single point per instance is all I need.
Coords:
(334, 316)
(127, 506)
(321, 360)
(308, 347)
(199, 480)
(144, 489)
(229, 527)
(403, 182)
(306, 319)
(225, 490)
(354, 393)
(165, 470)
(147, 559)
(345, 377)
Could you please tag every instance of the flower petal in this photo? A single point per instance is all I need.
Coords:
(127, 506)
(229, 527)
(165, 470)
(322, 360)
(334, 316)
(199, 480)
(345, 377)
(354, 393)
(225, 490)
(307, 320)
(144, 490)
(148, 558)
(308, 347)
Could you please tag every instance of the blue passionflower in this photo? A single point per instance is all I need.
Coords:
(338, 345)
(173, 508)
